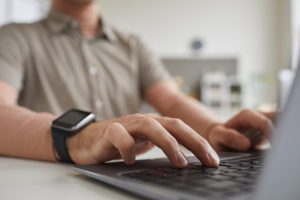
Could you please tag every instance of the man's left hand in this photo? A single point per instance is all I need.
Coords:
(230, 134)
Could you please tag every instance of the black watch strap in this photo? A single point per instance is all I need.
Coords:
(59, 140)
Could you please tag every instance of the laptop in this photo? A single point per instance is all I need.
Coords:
(250, 175)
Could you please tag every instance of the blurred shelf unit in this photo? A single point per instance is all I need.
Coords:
(213, 81)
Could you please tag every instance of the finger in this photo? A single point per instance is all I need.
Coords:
(263, 145)
(191, 140)
(271, 115)
(255, 136)
(143, 147)
(248, 119)
(156, 133)
(119, 138)
(229, 138)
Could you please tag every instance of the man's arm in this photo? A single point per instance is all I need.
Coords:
(24, 133)
(27, 134)
(169, 101)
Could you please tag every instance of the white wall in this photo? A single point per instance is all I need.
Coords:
(248, 29)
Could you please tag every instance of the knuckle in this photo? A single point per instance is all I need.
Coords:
(245, 111)
(128, 145)
(150, 115)
(204, 145)
(171, 143)
(148, 121)
(176, 122)
(217, 129)
(113, 127)
(113, 131)
(228, 139)
(136, 116)
(267, 122)
(203, 142)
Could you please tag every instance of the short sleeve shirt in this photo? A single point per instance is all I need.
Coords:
(54, 68)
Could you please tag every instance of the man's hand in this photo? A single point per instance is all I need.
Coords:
(128, 136)
(229, 135)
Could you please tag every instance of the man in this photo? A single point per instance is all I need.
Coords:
(74, 59)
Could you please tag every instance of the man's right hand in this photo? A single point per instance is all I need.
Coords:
(131, 135)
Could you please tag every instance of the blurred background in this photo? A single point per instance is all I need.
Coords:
(228, 54)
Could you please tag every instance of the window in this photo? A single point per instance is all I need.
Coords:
(22, 11)
(295, 22)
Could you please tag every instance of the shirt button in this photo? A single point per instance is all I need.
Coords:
(99, 104)
(93, 70)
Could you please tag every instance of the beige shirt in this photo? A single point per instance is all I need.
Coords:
(55, 68)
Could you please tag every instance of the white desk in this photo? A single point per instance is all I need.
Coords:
(30, 180)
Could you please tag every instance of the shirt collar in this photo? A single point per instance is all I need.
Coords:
(59, 22)
(107, 30)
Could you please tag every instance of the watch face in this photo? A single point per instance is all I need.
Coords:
(70, 118)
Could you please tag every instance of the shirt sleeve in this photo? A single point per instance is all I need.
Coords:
(151, 68)
(11, 56)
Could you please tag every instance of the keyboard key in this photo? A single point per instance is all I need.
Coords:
(244, 180)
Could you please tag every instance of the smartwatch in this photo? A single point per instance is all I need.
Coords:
(66, 125)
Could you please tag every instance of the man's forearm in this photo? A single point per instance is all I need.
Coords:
(25, 134)
(193, 113)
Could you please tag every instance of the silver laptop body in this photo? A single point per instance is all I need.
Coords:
(279, 179)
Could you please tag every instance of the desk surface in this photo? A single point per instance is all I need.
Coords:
(28, 179)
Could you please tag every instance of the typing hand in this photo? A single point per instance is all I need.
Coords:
(245, 130)
(128, 136)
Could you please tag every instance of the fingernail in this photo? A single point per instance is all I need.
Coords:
(132, 157)
(214, 158)
(181, 158)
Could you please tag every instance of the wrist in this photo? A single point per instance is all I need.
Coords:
(55, 154)
(57, 158)
(75, 145)
(66, 126)
(71, 143)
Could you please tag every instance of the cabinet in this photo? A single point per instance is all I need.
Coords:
(213, 81)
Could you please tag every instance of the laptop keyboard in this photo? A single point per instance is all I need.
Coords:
(231, 178)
